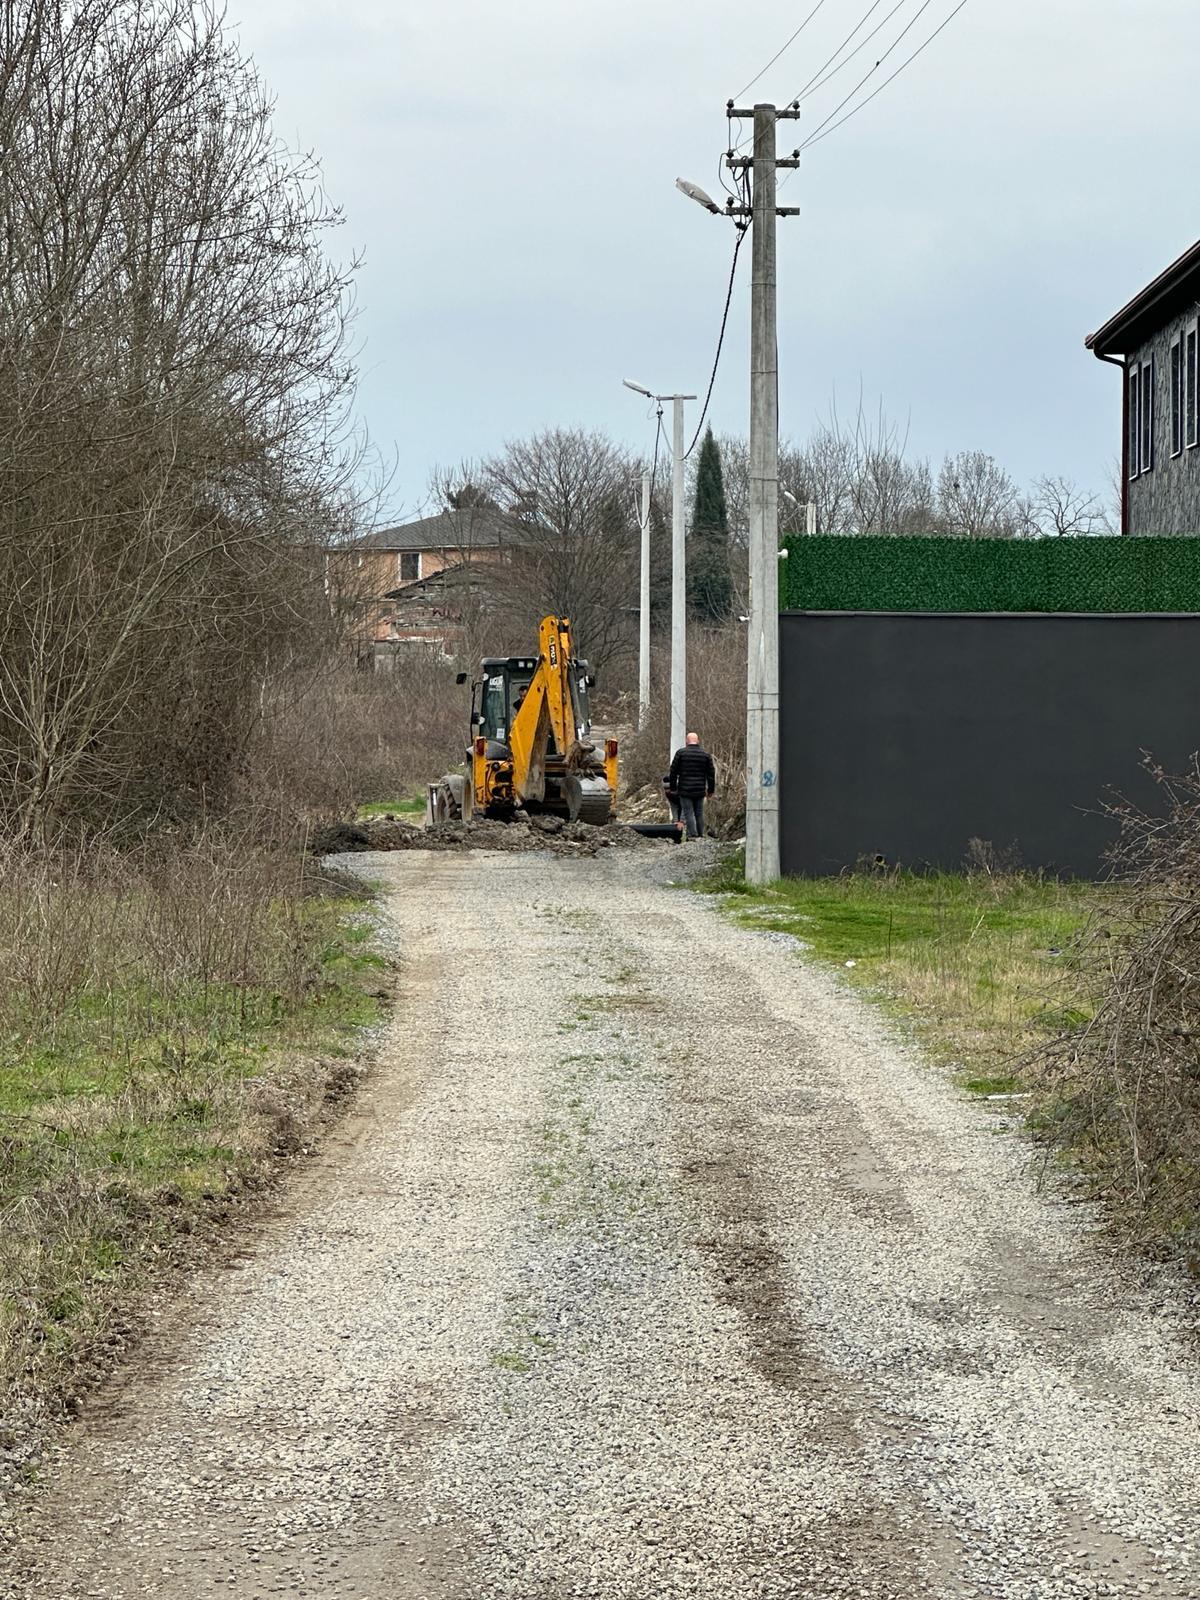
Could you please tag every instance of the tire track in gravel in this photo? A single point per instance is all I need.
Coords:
(649, 1267)
(999, 1370)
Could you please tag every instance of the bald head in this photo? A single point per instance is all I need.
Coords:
(693, 738)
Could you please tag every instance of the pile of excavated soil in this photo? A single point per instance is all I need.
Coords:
(481, 833)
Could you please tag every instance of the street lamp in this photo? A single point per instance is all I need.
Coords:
(678, 570)
(696, 193)
(807, 506)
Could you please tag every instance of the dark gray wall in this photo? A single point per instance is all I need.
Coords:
(1165, 500)
(907, 735)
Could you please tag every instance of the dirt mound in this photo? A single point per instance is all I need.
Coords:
(481, 833)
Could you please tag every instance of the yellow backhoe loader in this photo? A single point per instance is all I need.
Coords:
(530, 749)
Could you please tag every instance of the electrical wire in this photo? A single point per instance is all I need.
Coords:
(745, 139)
(908, 27)
(657, 438)
(781, 51)
(722, 179)
(817, 135)
(737, 245)
(828, 71)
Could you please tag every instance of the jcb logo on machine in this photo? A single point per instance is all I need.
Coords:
(553, 654)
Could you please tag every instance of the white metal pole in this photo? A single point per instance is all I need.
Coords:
(644, 610)
(811, 518)
(678, 584)
(762, 663)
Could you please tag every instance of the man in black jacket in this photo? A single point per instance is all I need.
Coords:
(693, 776)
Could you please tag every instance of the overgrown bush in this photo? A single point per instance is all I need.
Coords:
(328, 744)
(1121, 1090)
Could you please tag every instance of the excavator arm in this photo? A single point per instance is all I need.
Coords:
(545, 735)
(546, 713)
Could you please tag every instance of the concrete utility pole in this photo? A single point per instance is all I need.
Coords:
(644, 610)
(678, 564)
(678, 580)
(762, 654)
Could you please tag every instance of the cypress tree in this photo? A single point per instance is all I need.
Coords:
(710, 587)
(660, 565)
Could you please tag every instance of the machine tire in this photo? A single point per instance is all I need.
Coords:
(444, 802)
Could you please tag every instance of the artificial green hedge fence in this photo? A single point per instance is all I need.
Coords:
(827, 572)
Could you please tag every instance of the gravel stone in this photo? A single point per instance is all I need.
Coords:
(649, 1265)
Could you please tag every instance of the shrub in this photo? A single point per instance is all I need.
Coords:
(1122, 1089)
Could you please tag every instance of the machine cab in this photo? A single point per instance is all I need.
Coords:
(498, 695)
(501, 689)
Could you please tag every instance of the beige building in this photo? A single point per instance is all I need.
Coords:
(395, 575)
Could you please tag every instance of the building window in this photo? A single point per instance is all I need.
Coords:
(1190, 349)
(1177, 397)
(1146, 461)
(408, 565)
(1135, 419)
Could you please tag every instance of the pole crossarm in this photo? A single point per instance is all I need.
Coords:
(748, 211)
(783, 113)
(748, 161)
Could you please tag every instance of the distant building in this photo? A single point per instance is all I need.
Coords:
(378, 571)
(435, 613)
(1155, 341)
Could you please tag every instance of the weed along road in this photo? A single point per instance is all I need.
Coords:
(649, 1264)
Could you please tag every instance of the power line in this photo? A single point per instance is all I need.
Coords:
(908, 27)
(737, 245)
(817, 135)
(781, 51)
(827, 71)
(831, 59)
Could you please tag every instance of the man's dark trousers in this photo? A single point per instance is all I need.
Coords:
(692, 776)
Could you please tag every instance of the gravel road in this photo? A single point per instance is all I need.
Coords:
(649, 1265)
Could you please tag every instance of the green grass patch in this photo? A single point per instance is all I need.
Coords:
(992, 1086)
(409, 805)
(985, 967)
(511, 1361)
(182, 1043)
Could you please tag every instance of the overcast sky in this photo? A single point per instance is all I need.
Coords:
(507, 172)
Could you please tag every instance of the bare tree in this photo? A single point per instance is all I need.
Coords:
(173, 391)
(735, 464)
(1059, 507)
(977, 498)
(859, 477)
(571, 492)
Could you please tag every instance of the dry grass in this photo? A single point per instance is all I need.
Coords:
(169, 1026)
(716, 710)
(348, 737)
(1121, 1090)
